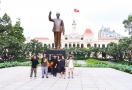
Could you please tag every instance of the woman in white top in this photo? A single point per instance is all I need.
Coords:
(70, 66)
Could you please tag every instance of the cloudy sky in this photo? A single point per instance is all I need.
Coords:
(93, 14)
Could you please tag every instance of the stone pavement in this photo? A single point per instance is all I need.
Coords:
(17, 78)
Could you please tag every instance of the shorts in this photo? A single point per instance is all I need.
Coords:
(70, 69)
(62, 69)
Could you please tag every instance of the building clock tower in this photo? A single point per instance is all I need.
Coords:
(73, 31)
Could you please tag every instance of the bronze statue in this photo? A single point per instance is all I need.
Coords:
(58, 28)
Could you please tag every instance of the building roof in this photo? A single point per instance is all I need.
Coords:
(107, 39)
(41, 38)
(88, 31)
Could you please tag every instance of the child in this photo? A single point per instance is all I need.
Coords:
(70, 66)
(34, 66)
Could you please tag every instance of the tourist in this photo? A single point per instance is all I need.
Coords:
(70, 66)
(44, 64)
(62, 66)
(34, 66)
(55, 61)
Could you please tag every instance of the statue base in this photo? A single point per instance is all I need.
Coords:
(50, 53)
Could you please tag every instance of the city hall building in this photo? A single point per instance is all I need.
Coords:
(105, 36)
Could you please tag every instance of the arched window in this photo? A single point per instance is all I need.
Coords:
(88, 45)
(81, 45)
(69, 45)
(65, 38)
(52, 45)
(95, 45)
(103, 45)
(99, 45)
(45, 45)
(65, 45)
(49, 46)
(73, 45)
(78, 45)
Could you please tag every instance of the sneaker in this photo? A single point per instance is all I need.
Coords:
(64, 77)
(43, 77)
(68, 77)
(31, 77)
(54, 77)
(72, 77)
(61, 76)
(47, 77)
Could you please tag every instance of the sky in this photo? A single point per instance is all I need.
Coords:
(93, 14)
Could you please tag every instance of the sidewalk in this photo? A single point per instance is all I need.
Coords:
(17, 78)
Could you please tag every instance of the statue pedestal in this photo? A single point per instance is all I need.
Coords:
(50, 53)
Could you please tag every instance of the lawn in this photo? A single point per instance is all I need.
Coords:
(95, 61)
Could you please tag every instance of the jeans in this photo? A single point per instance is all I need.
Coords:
(33, 70)
(54, 72)
(45, 70)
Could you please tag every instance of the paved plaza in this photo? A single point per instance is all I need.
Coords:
(17, 78)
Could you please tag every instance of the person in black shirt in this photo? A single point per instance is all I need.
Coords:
(34, 66)
(55, 61)
(62, 66)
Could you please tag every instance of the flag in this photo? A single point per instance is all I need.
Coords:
(76, 10)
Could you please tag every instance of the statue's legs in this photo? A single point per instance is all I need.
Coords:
(57, 39)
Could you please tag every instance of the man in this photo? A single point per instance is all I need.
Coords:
(44, 64)
(70, 66)
(55, 61)
(62, 66)
(34, 66)
(58, 28)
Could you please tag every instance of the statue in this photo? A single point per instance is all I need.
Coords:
(58, 28)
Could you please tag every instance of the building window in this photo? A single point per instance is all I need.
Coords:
(95, 45)
(81, 38)
(103, 45)
(99, 45)
(65, 38)
(88, 45)
(69, 45)
(65, 45)
(73, 45)
(49, 45)
(52, 45)
(45, 45)
(77, 45)
(81, 45)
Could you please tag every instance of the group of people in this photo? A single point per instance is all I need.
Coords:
(55, 60)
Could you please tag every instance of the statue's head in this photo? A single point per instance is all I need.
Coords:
(57, 14)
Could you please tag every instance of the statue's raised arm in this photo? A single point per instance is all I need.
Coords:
(50, 17)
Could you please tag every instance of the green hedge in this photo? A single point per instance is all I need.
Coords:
(15, 63)
(79, 57)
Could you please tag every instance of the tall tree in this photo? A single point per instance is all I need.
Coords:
(128, 24)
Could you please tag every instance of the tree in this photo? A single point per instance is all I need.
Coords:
(128, 24)
(112, 50)
(36, 47)
(11, 37)
(96, 51)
